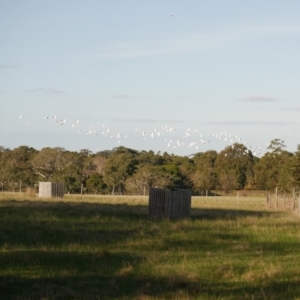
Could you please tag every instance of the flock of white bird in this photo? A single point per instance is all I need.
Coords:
(191, 138)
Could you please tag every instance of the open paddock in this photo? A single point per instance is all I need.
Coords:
(105, 247)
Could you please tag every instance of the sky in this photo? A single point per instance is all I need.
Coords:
(165, 75)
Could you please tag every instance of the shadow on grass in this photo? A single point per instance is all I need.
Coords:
(36, 223)
(82, 256)
(130, 286)
(215, 213)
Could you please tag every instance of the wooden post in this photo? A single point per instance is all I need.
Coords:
(20, 186)
(293, 192)
(113, 190)
(81, 190)
(237, 197)
(294, 199)
(276, 195)
(206, 193)
(299, 204)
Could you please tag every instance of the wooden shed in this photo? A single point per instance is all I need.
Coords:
(169, 204)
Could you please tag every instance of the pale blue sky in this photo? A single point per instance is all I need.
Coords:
(216, 67)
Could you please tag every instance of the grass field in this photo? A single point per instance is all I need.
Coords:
(107, 248)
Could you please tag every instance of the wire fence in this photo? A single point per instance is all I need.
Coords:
(288, 199)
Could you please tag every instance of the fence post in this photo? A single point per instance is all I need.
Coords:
(276, 198)
(294, 199)
(299, 204)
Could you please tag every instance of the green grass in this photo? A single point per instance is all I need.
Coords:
(107, 248)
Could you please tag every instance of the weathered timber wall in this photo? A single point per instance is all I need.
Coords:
(51, 189)
(169, 204)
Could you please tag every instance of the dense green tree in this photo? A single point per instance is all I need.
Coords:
(149, 157)
(15, 167)
(295, 167)
(47, 162)
(273, 169)
(276, 146)
(3, 149)
(99, 162)
(169, 176)
(142, 180)
(285, 176)
(186, 168)
(204, 176)
(154, 170)
(234, 167)
(121, 164)
(95, 184)
(71, 171)
(126, 170)
(60, 165)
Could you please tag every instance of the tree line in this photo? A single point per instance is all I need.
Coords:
(128, 171)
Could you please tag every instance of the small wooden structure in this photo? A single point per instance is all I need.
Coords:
(169, 204)
(51, 189)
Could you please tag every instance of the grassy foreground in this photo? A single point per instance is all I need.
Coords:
(107, 248)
